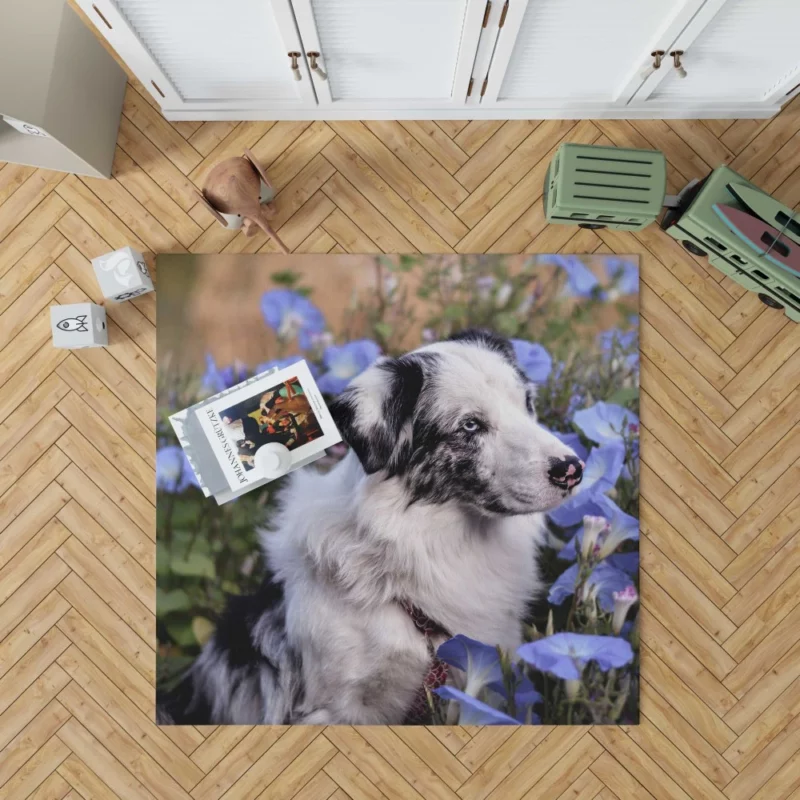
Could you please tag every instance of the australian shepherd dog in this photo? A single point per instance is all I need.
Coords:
(436, 513)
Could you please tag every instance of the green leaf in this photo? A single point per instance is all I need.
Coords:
(624, 396)
(506, 324)
(175, 600)
(162, 559)
(407, 263)
(169, 669)
(182, 633)
(196, 564)
(202, 629)
(383, 329)
(454, 311)
(182, 541)
(286, 277)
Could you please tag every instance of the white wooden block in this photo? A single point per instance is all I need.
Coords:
(78, 325)
(122, 274)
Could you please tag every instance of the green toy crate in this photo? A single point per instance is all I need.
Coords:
(696, 225)
(605, 187)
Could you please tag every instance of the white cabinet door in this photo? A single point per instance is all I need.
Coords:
(391, 54)
(746, 51)
(561, 53)
(206, 53)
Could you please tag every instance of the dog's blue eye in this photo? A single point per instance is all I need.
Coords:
(471, 425)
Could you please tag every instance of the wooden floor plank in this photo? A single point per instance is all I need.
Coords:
(437, 143)
(107, 659)
(33, 736)
(124, 742)
(112, 627)
(109, 516)
(495, 186)
(159, 131)
(684, 735)
(766, 583)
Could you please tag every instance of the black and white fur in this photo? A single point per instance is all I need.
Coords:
(439, 503)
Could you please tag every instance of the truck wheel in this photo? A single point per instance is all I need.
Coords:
(693, 248)
(592, 226)
(769, 301)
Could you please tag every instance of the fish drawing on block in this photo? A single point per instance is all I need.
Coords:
(77, 324)
(763, 238)
(769, 209)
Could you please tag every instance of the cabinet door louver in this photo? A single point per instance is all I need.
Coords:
(581, 50)
(389, 50)
(212, 50)
(747, 51)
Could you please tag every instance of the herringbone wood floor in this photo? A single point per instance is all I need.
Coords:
(720, 475)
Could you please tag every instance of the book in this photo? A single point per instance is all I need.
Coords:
(236, 439)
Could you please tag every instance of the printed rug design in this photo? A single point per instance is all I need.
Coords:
(467, 555)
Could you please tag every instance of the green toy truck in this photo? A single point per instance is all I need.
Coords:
(605, 187)
(696, 225)
(625, 189)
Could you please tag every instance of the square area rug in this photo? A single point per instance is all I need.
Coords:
(467, 554)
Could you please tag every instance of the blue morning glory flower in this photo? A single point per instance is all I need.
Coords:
(634, 445)
(174, 473)
(624, 273)
(217, 380)
(622, 526)
(345, 362)
(525, 694)
(606, 578)
(565, 654)
(569, 552)
(477, 660)
(533, 359)
(564, 586)
(627, 562)
(581, 281)
(614, 337)
(606, 422)
(602, 468)
(291, 315)
(599, 476)
(618, 342)
(573, 441)
(473, 711)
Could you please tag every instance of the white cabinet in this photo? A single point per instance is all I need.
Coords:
(390, 53)
(568, 52)
(360, 59)
(207, 55)
(733, 51)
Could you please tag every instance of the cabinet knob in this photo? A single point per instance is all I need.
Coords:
(676, 60)
(657, 55)
(294, 55)
(312, 58)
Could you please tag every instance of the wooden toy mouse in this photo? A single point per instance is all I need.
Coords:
(238, 194)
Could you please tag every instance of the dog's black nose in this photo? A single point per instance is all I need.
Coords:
(565, 472)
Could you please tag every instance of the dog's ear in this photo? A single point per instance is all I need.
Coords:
(497, 344)
(372, 411)
(488, 339)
